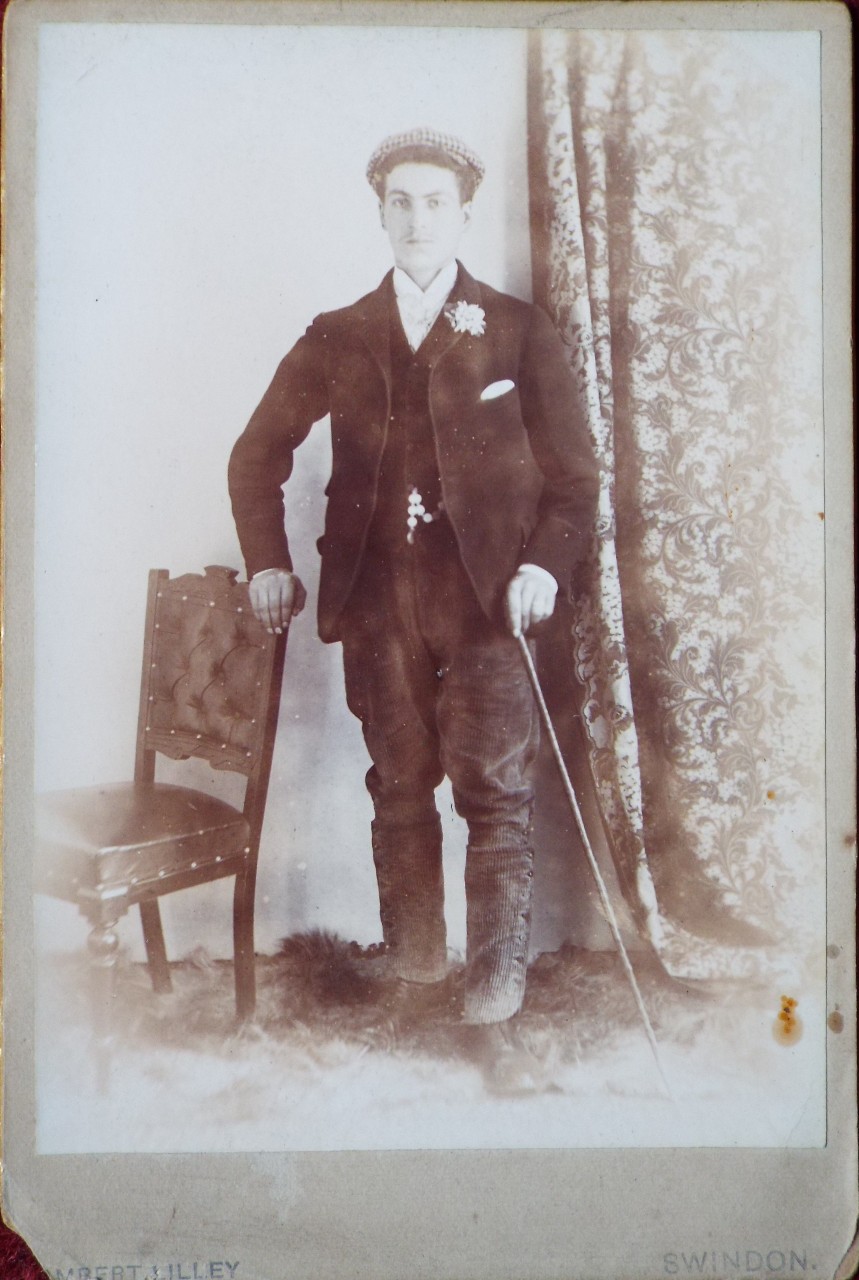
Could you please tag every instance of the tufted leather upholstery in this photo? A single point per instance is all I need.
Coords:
(207, 666)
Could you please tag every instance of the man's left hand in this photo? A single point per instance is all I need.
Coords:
(530, 598)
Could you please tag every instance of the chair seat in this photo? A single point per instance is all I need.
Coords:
(131, 837)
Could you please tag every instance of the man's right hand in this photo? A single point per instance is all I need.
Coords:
(276, 596)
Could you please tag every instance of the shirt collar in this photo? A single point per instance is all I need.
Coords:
(435, 292)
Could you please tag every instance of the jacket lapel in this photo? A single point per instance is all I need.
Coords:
(375, 320)
(442, 337)
(375, 326)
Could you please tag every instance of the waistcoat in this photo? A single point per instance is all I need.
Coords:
(409, 458)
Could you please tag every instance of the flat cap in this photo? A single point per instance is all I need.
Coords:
(429, 146)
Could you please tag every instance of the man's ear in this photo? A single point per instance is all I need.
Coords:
(382, 214)
(466, 213)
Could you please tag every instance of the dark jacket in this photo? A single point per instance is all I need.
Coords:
(517, 470)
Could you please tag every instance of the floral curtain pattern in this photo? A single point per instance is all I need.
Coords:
(673, 223)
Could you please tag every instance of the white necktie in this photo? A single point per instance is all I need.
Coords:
(418, 317)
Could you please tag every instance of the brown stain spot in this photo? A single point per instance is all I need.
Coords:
(821, 516)
(850, 839)
(770, 795)
(835, 1021)
(787, 1027)
(833, 951)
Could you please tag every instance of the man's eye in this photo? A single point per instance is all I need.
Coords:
(434, 204)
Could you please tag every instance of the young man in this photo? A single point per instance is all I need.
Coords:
(462, 495)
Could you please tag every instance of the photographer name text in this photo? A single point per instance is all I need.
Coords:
(151, 1271)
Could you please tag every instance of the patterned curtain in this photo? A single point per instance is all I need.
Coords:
(673, 221)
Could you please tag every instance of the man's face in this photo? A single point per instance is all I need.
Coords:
(424, 218)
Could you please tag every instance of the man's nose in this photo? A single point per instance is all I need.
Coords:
(419, 218)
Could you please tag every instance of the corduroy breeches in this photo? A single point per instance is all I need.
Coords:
(440, 690)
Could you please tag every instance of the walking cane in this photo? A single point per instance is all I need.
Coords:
(597, 874)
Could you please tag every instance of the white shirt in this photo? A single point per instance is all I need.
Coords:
(419, 308)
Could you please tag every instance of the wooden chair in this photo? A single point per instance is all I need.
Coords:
(210, 689)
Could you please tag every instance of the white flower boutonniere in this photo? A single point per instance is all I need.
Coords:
(467, 317)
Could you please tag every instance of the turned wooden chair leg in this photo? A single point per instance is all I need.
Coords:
(156, 952)
(103, 945)
(243, 942)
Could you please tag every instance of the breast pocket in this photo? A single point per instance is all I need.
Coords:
(497, 389)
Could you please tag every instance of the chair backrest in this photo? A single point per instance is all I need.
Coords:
(211, 679)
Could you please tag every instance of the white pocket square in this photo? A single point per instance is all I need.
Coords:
(497, 389)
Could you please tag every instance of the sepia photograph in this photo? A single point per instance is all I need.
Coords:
(432, 597)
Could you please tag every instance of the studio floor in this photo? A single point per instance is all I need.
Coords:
(329, 1064)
